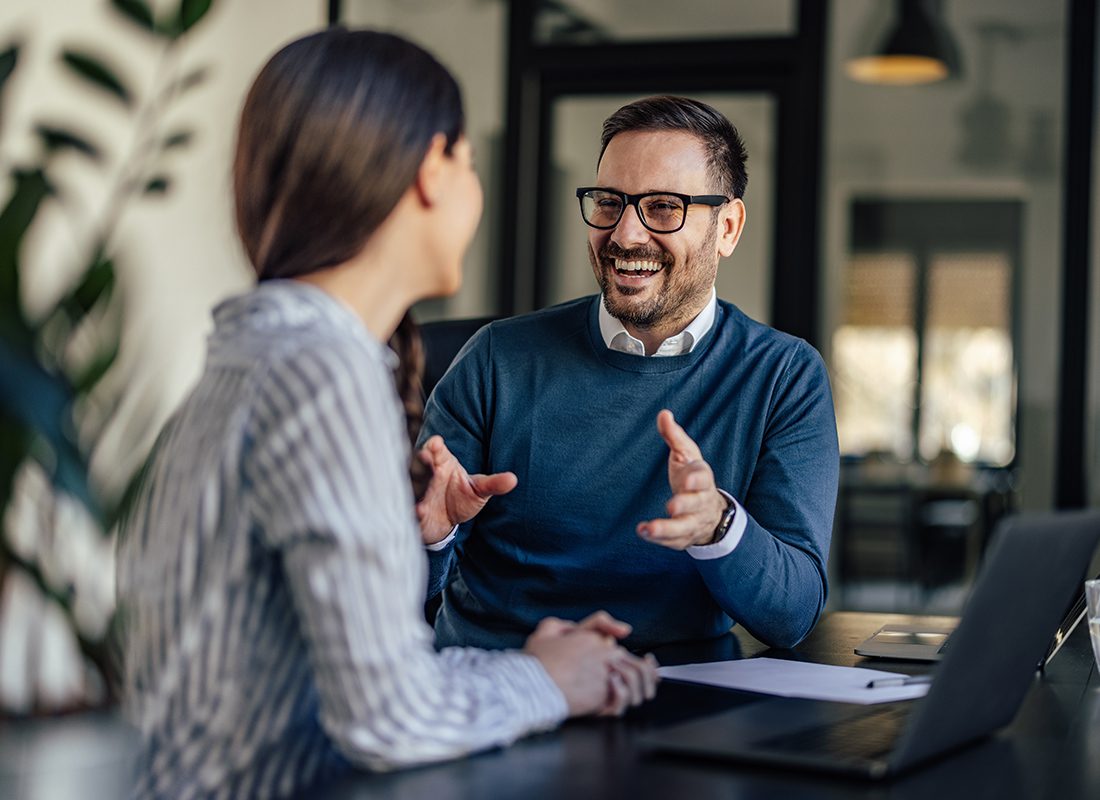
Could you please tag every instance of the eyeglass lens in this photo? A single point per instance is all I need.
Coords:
(661, 212)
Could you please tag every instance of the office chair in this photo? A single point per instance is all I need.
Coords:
(442, 341)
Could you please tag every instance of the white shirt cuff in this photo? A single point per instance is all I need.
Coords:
(728, 542)
(442, 543)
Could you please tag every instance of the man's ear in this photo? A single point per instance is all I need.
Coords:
(731, 222)
(429, 177)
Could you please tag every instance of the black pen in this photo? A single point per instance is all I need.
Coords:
(909, 680)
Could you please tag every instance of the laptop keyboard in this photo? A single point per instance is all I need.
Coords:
(866, 736)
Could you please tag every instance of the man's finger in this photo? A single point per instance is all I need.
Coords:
(685, 503)
(668, 531)
(492, 485)
(676, 437)
(695, 476)
(435, 451)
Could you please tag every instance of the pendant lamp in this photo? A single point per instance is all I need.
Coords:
(917, 48)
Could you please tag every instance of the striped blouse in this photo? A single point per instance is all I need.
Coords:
(271, 576)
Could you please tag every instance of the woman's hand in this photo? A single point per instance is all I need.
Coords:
(453, 495)
(595, 675)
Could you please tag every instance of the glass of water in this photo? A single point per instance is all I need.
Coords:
(1092, 598)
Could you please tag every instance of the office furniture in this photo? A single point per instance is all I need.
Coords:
(442, 341)
(1051, 750)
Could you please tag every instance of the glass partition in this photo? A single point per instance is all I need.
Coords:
(596, 21)
(944, 352)
(468, 36)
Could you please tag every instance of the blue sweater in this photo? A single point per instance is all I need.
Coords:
(541, 395)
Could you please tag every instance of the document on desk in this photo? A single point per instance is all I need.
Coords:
(797, 679)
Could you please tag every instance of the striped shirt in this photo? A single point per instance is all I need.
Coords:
(271, 576)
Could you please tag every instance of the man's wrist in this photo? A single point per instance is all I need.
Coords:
(727, 519)
(442, 544)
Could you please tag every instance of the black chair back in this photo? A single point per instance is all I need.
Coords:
(442, 341)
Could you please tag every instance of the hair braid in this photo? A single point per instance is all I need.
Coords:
(406, 343)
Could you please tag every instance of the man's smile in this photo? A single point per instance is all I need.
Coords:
(635, 273)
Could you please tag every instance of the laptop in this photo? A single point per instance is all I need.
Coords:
(1032, 573)
(918, 642)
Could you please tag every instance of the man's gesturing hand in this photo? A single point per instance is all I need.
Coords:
(696, 507)
(453, 495)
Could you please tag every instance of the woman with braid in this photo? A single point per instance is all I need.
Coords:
(271, 576)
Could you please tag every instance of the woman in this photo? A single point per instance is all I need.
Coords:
(270, 574)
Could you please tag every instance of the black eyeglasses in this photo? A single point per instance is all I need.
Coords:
(660, 212)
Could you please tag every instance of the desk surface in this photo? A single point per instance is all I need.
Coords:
(1052, 748)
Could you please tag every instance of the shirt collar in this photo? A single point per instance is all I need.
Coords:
(616, 337)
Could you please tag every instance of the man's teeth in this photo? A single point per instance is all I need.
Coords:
(637, 266)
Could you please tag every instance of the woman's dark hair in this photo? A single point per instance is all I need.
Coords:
(725, 150)
(332, 134)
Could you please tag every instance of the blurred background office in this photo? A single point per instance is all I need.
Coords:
(925, 222)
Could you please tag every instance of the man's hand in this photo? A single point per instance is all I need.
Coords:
(453, 495)
(696, 507)
(596, 675)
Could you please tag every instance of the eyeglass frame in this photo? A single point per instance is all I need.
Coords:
(712, 200)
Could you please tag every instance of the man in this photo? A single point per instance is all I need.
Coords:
(656, 452)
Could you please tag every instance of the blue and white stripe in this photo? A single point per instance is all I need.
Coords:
(271, 575)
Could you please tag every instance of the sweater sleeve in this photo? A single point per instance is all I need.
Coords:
(774, 581)
(457, 411)
(332, 497)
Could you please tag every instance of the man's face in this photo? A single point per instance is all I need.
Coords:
(623, 258)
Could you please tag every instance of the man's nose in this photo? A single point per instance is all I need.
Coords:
(630, 232)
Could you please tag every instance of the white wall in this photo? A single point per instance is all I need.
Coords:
(178, 255)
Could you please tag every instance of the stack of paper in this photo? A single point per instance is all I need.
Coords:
(797, 679)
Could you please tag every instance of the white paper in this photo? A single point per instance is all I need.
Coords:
(797, 679)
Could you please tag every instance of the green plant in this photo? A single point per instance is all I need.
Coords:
(53, 363)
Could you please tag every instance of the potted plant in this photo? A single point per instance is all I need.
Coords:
(55, 403)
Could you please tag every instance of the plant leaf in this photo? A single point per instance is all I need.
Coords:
(92, 69)
(186, 82)
(31, 188)
(97, 284)
(177, 139)
(193, 78)
(8, 60)
(191, 11)
(137, 11)
(15, 442)
(157, 185)
(56, 139)
(41, 402)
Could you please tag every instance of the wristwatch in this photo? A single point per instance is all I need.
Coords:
(726, 522)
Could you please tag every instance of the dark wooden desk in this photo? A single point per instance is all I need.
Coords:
(1051, 750)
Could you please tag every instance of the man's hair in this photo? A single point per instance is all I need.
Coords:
(725, 150)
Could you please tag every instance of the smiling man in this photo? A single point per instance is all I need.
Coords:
(674, 461)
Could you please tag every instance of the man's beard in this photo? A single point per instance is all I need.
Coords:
(680, 292)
